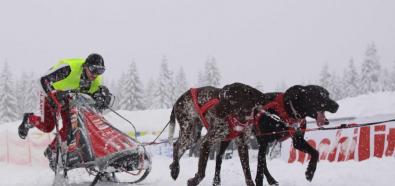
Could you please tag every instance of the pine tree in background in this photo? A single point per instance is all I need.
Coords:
(120, 91)
(281, 87)
(164, 94)
(350, 80)
(34, 95)
(386, 80)
(181, 83)
(201, 81)
(8, 102)
(325, 77)
(259, 86)
(370, 71)
(27, 94)
(21, 90)
(149, 95)
(331, 82)
(335, 87)
(211, 76)
(392, 78)
(132, 92)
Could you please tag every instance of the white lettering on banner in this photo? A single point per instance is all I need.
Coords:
(351, 144)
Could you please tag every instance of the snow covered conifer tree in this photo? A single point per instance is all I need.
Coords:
(34, 94)
(149, 95)
(27, 94)
(8, 102)
(335, 87)
(325, 77)
(281, 87)
(392, 77)
(370, 70)
(200, 81)
(181, 83)
(385, 80)
(212, 76)
(331, 82)
(132, 93)
(120, 90)
(350, 80)
(164, 94)
(21, 89)
(259, 86)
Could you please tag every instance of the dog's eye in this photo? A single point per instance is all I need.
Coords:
(322, 105)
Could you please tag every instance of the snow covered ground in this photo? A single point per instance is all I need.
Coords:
(365, 173)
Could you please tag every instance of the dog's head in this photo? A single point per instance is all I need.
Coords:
(311, 101)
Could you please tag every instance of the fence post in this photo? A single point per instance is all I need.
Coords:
(8, 148)
(30, 151)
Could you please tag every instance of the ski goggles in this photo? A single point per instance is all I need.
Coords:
(97, 70)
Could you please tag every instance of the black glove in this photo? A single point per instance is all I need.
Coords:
(102, 98)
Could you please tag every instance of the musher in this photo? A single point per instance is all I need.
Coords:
(82, 75)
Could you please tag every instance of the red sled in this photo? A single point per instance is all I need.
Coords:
(96, 145)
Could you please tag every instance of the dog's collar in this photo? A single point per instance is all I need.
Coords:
(294, 112)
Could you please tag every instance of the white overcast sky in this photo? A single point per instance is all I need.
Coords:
(254, 40)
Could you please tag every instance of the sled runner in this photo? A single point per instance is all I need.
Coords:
(94, 144)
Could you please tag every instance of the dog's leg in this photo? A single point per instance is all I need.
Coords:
(180, 146)
(301, 144)
(203, 157)
(218, 162)
(262, 165)
(175, 166)
(260, 168)
(216, 133)
(244, 158)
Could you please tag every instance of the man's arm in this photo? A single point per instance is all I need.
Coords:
(54, 76)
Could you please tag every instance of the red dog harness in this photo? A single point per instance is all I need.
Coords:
(202, 110)
(235, 126)
(278, 106)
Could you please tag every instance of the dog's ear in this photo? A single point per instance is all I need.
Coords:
(297, 96)
(296, 93)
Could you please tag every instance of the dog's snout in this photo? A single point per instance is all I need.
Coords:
(333, 106)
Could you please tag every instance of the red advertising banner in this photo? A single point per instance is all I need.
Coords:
(347, 144)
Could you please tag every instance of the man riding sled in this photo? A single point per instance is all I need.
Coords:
(81, 75)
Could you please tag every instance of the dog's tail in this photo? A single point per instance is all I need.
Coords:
(172, 126)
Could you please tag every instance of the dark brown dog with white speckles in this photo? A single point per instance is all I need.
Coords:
(229, 113)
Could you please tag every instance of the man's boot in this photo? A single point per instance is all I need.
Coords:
(23, 129)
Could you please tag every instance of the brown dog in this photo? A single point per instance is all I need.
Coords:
(235, 101)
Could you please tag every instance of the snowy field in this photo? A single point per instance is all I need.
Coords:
(366, 173)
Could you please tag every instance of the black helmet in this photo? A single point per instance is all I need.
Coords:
(95, 64)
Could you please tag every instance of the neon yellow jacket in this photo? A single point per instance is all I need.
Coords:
(72, 81)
